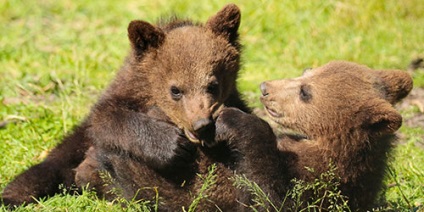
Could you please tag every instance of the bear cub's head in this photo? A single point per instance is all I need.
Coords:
(339, 98)
(185, 70)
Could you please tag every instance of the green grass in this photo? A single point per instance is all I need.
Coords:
(57, 56)
(324, 192)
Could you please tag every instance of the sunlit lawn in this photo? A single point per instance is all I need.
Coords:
(57, 56)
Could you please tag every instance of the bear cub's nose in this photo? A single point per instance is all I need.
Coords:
(202, 125)
(263, 89)
(205, 131)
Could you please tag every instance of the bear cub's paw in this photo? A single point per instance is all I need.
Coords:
(233, 124)
(173, 151)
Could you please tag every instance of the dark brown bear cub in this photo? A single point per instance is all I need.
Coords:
(341, 113)
(155, 125)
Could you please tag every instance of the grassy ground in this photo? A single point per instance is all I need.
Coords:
(57, 56)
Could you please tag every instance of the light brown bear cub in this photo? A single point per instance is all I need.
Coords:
(341, 113)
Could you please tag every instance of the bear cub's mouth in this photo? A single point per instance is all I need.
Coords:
(191, 136)
(272, 112)
(206, 138)
(206, 134)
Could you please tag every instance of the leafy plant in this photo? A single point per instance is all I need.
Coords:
(323, 191)
(208, 181)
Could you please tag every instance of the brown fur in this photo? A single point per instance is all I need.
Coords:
(147, 129)
(341, 113)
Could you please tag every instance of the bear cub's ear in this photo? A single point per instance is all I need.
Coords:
(226, 23)
(143, 36)
(381, 117)
(396, 84)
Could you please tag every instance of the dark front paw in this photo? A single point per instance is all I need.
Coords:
(185, 152)
(234, 123)
(168, 149)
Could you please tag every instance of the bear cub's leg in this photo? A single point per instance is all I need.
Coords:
(260, 159)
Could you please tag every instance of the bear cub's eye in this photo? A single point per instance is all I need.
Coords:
(305, 93)
(176, 93)
(213, 88)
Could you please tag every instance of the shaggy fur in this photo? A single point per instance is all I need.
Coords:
(155, 125)
(341, 113)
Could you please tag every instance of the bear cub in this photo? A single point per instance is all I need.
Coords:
(168, 115)
(341, 113)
